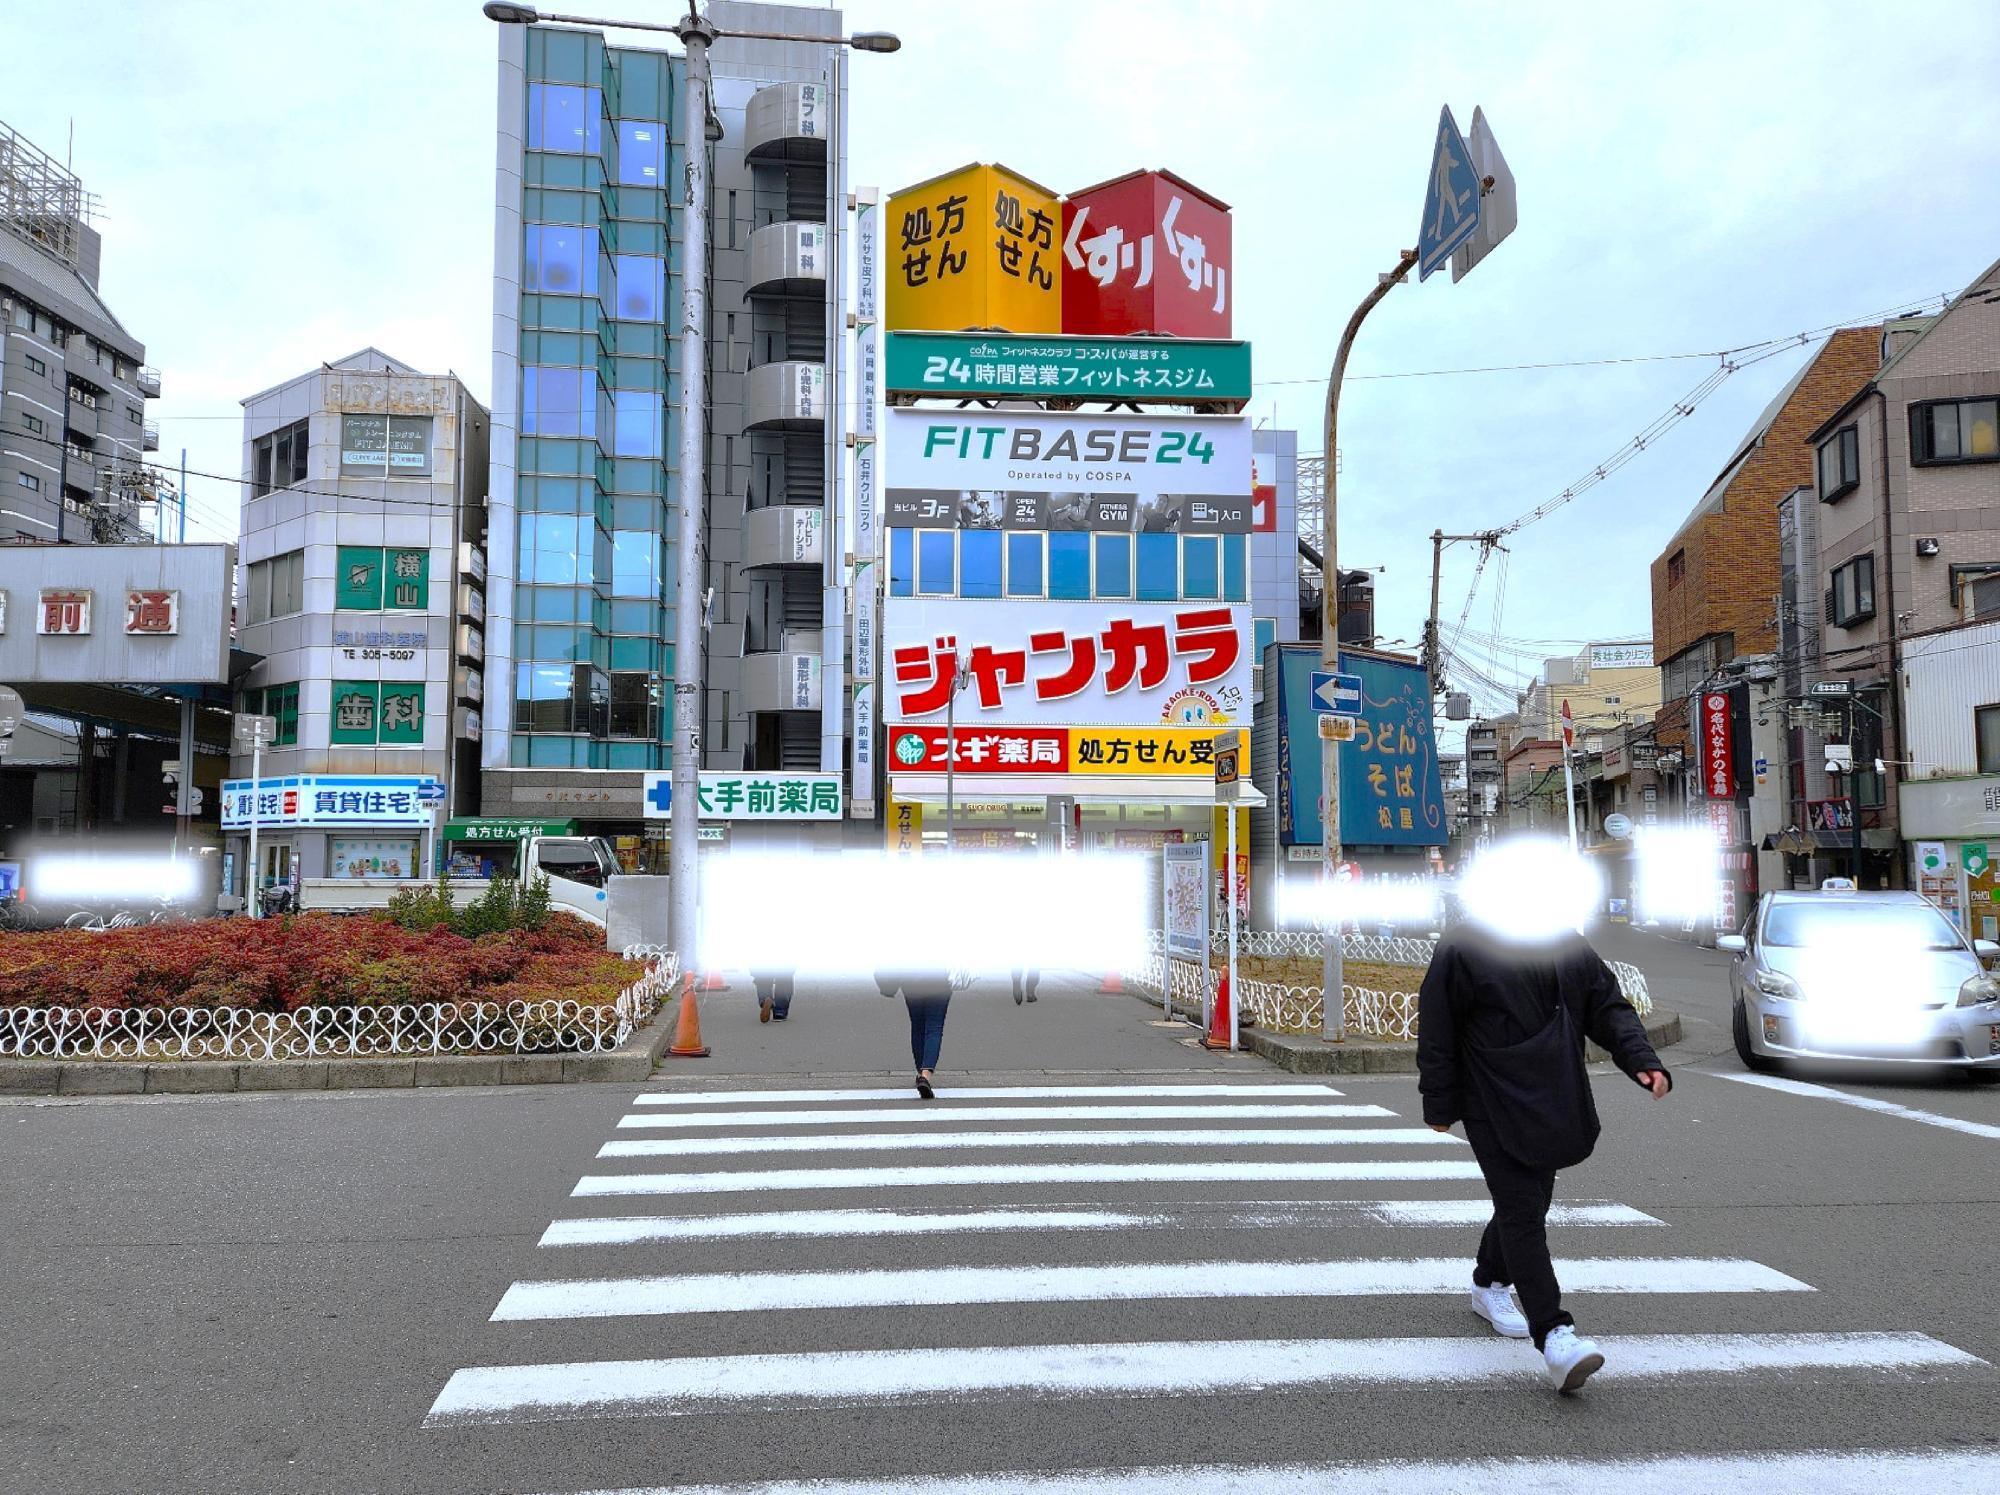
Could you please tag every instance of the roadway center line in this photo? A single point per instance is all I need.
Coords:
(618, 1230)
(1864, 1102)
(1182, 1138)
(1428, 1170)
(537, 1393)
(930, 1287)
(975, 1092)
(1828, 1472)
(919, 1114)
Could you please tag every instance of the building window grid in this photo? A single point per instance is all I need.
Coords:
(1851, 598)
(1839, 464)
(1986, 737)
(1943, 432)
(1067, 565)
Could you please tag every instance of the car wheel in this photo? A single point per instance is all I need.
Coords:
(1739, 1028)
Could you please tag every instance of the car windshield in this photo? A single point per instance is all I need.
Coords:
(1839, 922)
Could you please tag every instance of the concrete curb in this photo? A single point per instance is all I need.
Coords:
(1306, 1055)
(630, 1063)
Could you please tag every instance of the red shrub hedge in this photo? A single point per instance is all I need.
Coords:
(332, 960)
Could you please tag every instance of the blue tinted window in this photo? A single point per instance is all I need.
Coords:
(558, 402)
(642, 285)
(1200, 568)
(642, 152)
(1235, 584)
(559, 258)
(1114, 565)
(635, 559)
(1024, 565)
(1159, 568)
(637, 432)
(1265, 630)
(934, 561)
(978, 563)
(902, 563)
(564, 117)
(549, 549)
(1069, 566)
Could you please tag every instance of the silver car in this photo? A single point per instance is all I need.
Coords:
(1850, 975)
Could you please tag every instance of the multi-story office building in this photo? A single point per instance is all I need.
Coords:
(587, 393)
(363, 591)
(73, 381)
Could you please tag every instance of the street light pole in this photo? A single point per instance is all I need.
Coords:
(1333, 1006)
(960, 677)
(684, 833)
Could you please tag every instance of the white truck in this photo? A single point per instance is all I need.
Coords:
(580, 871)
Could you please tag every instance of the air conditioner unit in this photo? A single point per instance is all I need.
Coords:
(1257, 682)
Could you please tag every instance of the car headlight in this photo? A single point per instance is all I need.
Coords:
(1978, 991)
(1771, 984)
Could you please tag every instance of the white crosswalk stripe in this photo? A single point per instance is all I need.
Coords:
(1196, 1229)
(502, 1393)
(687, 1147)
(1463, 1213)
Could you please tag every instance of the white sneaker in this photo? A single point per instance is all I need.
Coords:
(1570, 1360)
(1496, 1305)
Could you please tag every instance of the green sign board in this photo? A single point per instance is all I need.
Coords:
(1160, 370)
(366, 712)
(504, 828)
(1972, 856)
(371, 579)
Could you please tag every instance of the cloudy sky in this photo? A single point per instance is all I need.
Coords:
(285, 183)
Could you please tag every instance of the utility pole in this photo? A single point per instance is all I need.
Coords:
(1333, 1006)
(684, 831)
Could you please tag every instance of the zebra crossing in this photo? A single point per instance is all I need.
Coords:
(806, 1251)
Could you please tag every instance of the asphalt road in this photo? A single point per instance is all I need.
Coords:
(453, 1290)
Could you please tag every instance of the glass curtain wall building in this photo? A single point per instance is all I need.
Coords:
(588, 284)
(595, 370)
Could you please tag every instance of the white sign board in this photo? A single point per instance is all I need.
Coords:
(750, 795)
(1184, 898)
(1069, 663)
(326, 799)
(1149, 457)
(1621, 656)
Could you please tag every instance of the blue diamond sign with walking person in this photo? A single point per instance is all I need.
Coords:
(1451, 199)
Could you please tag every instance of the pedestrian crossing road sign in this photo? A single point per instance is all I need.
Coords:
(1451, 199)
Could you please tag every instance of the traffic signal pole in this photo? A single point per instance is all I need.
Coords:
(1333, 1004)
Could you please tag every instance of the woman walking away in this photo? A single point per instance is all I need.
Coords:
(927, 994)
(1502, 1015)
(1026, 979)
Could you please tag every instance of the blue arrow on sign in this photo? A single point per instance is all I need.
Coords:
(1451, 199)
(431, 792)
(1336, 694)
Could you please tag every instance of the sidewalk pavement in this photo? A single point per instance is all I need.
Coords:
(850, 1028)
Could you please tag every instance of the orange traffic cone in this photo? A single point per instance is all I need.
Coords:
(1217, 1036)
(1112, 984)
(687, 1042)
(713, 982)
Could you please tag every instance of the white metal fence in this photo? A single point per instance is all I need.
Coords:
(1286, 1007)
(561, 1027)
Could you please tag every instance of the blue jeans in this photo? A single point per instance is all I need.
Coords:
(926, 1028)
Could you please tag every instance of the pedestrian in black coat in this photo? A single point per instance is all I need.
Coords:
(1501, 1028)
(927, 994)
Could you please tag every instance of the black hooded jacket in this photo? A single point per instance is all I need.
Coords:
(1484, 1001)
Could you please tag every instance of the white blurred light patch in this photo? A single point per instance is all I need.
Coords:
(1530, 888)
(1316, 901)
(850, 914)
(60, 878)
(1676, 872)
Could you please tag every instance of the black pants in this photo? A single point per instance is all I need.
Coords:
(1515, 1249)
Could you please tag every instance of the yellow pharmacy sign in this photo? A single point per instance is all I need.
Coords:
(905, 823)
(1180, 752)
(979, 247)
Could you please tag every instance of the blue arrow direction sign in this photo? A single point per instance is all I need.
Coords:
(1336, 694)
(1451, 200)
(431, 792)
